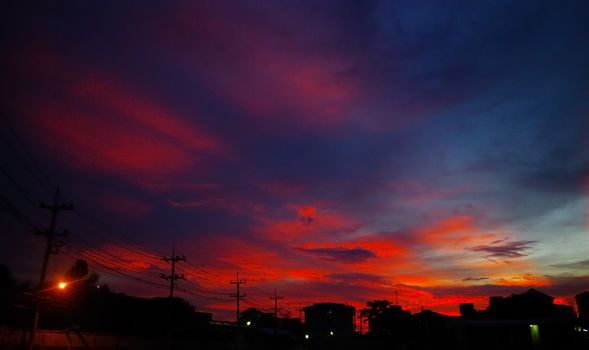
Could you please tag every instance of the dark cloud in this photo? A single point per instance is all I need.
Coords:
(508, 250)
(581, 264)
(559, 286)
(475, 278)
(558, 176)
(567, 285)
(354, 277)
(345, 255)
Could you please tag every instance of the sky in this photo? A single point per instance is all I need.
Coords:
(336, 151)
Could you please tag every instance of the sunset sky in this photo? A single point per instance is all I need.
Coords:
(337, 151)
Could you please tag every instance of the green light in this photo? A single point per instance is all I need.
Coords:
(535, 333)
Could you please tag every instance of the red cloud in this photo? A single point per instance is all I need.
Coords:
(419, 194)
(307, 212)
(253, 70)
(309, 223)
(100, 142)
(98, 124)
(125, 205)
(453, 233)
(147, 114)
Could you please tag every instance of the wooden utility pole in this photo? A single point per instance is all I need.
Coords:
(238, 296)
(52, 246)
(173, 277)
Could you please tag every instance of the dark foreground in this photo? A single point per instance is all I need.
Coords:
(230, 338)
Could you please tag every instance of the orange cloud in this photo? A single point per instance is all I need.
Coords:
(526, 279)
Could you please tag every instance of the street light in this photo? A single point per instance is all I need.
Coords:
(62, 285)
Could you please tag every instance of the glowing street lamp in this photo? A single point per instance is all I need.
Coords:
(62, 285)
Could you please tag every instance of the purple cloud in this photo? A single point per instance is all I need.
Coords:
(345, 255)
(515, 249)
(475, 279)
(355, 277)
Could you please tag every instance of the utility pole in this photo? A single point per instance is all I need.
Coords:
(173, 276)
(238, 296)
(396, 298)
(276, 298)
(51, 247)
(300, 310)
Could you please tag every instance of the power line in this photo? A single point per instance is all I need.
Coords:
(112, 260)
(42, 179)
(210, 275)
(191, 292)
(104, 231)
(21, 189)
(205, 290)
(256, 305)
(115, 272)
(116, 259)
(10, 208)
(106, 261)
(31, 167)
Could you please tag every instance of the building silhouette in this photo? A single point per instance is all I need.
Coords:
(255, 317)
(529, 320)
(329, 320)
(531, 304)
(467, 310)
(582, 300)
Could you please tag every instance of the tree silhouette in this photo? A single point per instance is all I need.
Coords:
(80, 274)
(385, 318)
